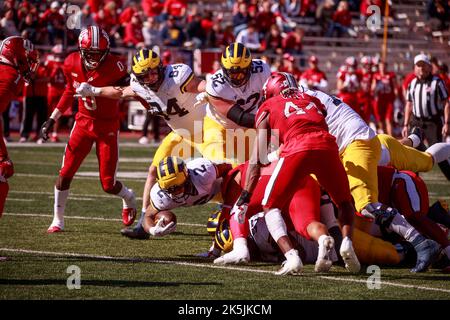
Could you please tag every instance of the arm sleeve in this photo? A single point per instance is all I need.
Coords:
(242, 118)
(66, 100)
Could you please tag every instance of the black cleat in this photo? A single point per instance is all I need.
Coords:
(421, 134)
(427, 252)
(135, 233)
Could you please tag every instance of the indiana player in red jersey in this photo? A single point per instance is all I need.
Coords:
(57, 84)
(302, 212)
(348, 84)
(365, 93)
(384, 89)
(308, 148)
(97, 121)
(407, 192)
(18, 60)
(314, 78)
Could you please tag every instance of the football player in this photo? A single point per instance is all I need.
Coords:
(179, 184)
(360, 152)
(307, 148)
(365, 93)
(314, 78)
(234, 94)
(18, 60)
(348, 84)
(167, 91)
(97, 121)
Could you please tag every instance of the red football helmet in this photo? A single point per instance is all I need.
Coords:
(93, 43)
(19, 53)
(280, 83)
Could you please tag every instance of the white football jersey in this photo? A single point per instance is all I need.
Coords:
(171, 101)
(343, 122)
(203, 175)
(248, 96)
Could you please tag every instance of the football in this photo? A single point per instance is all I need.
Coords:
(168, 216)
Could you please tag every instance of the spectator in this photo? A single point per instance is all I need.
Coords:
(308, 8)
(241, 18)
(313, 78)
(171, 34)
(85, 17)
(293, 8)
(107, 19)
(207, 22)
(273, 43)
(220, 38)
(30, 26)
(290, 67)
(8, 24)
(249, 37)
(175, 8)
(133, 32)
(35, 103)
(265, 19)
(195, 33)
(440, 10)
(153, 8)
(293, 42)
(128, 13)
(54, 22)
(151, 33)
(324, 14)
(342, 22)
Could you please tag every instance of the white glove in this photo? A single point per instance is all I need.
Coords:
(86, 90)
(202, 98)
(160, 229)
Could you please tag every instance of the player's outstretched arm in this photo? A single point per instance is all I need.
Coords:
(112, 92)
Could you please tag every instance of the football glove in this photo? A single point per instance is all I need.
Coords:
(160, 229)
(6, 168)
(46, 128)
(240, 208)
(202, 98)
(86, 90)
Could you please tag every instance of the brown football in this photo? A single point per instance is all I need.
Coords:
(168, 216)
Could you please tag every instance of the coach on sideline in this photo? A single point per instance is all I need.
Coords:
(427, 100)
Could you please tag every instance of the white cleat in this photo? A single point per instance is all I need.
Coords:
(349, 256)
(293, 266)
(234, 257)
(324, 262)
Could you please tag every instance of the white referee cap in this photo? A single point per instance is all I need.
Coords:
(422, 57)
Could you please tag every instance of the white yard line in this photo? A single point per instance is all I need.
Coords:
(209, 266)
(77, 176)
(38, 215)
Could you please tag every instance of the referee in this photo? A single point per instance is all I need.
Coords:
(427, 103)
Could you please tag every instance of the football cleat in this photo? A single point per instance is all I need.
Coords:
(135, 233)
(349, 256)
(427, 252)
(128, 216)
(421, 135)
(293, 266)
(234, 257)
(54, 229)
(323, 262)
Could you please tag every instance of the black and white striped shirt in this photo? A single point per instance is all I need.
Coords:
(428, 97)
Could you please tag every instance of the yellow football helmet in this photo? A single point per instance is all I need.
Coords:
(223, 237)
(213, 222)
(172, 177)
(148, 68)
(236, 63)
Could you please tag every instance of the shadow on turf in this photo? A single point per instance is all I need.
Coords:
(104, 283)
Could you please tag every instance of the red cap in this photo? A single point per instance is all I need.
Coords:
(313, 59)
(288, 56)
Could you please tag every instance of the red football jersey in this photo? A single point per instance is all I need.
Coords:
(365, 83)
(110, 72)
(11, 86)
(314, 76)
(384, 87)
(300, 122)
(56, 73)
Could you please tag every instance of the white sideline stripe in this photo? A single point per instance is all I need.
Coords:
(18, 199)
(71, 195)
(32, 175)
(63, 144)
(87, 218)
(210, 266)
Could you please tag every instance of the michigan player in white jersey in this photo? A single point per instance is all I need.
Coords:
(169, 92)
(234, 94)
(179, 184)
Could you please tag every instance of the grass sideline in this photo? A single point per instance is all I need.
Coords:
(113, 267)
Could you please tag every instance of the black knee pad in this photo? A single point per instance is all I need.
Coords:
(445, 168)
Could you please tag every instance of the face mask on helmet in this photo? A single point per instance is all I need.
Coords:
(148, 69)
(237, 77)
(223, 237)
(151, 78)
(280, 83)
(93, 44)
(33, 64)
(236, 63)
(92, 58)
(173, 178)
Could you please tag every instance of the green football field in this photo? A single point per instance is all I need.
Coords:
(36, 265)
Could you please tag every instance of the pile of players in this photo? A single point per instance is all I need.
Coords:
(328, 160)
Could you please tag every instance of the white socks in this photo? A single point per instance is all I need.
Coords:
(275, 224)
(128, 197)
(402, 227)
(59, 207)
(440, 151)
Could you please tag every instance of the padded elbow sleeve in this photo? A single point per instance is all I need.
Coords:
(242, 118)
